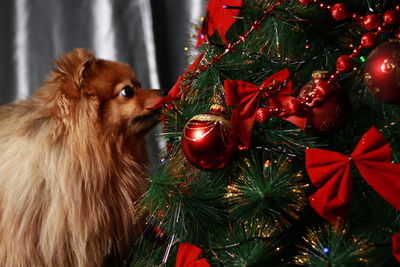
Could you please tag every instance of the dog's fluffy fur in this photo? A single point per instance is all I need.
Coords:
(71, 165)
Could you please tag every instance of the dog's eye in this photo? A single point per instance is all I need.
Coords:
(127, 92)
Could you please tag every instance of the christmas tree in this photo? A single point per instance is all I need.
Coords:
(282, 140)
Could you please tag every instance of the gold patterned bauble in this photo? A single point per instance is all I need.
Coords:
(382, 72)
(209, 140)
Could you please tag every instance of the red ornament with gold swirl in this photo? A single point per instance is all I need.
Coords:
(209, 140)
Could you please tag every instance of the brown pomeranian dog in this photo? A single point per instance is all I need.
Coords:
(72, 163)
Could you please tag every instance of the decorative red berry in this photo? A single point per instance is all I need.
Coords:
(343, 63)
(371, 22)
(391, 17)
(369, 40)
(262, 114)
(339, 12)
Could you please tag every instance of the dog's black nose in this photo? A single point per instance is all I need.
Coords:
(163, 91)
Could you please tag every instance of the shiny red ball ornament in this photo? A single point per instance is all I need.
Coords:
(391, 17)
(263, 114)
(369, 40)
(370, 22)
(343, 63)
(339, 12)
(328, 105)
(209, 141)
(382, 72)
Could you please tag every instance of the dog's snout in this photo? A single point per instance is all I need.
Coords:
(163, 91)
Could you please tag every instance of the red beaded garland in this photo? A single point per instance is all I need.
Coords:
(339, 12)
(370, 22)
(343, 63)
(391, 17)
(369, 40)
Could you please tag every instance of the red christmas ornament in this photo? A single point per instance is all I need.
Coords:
(343, 63)
(369, 40)
(263, 114)
(382, 72)
(329, 115)
(391, 17)
(209, 140)
(339, 12)
(328, 105)
(370, 22)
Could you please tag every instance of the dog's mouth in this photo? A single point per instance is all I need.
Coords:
(144, 122)
(151, 115)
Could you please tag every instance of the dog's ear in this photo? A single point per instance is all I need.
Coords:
(70, 71)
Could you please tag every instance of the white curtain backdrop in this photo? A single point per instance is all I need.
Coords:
(150, 35)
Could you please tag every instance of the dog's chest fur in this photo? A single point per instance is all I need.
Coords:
(65, 191)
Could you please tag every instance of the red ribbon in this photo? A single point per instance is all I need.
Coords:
(187, 256)
(219, 18)
(330, 172)
(247, 97)
(396, 246)
(174, 93)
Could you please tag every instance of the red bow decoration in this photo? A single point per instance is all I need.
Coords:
(175, 90)
(220, 17)
(330, 171)
(247, 97)
(396, 246)
(187, 255)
